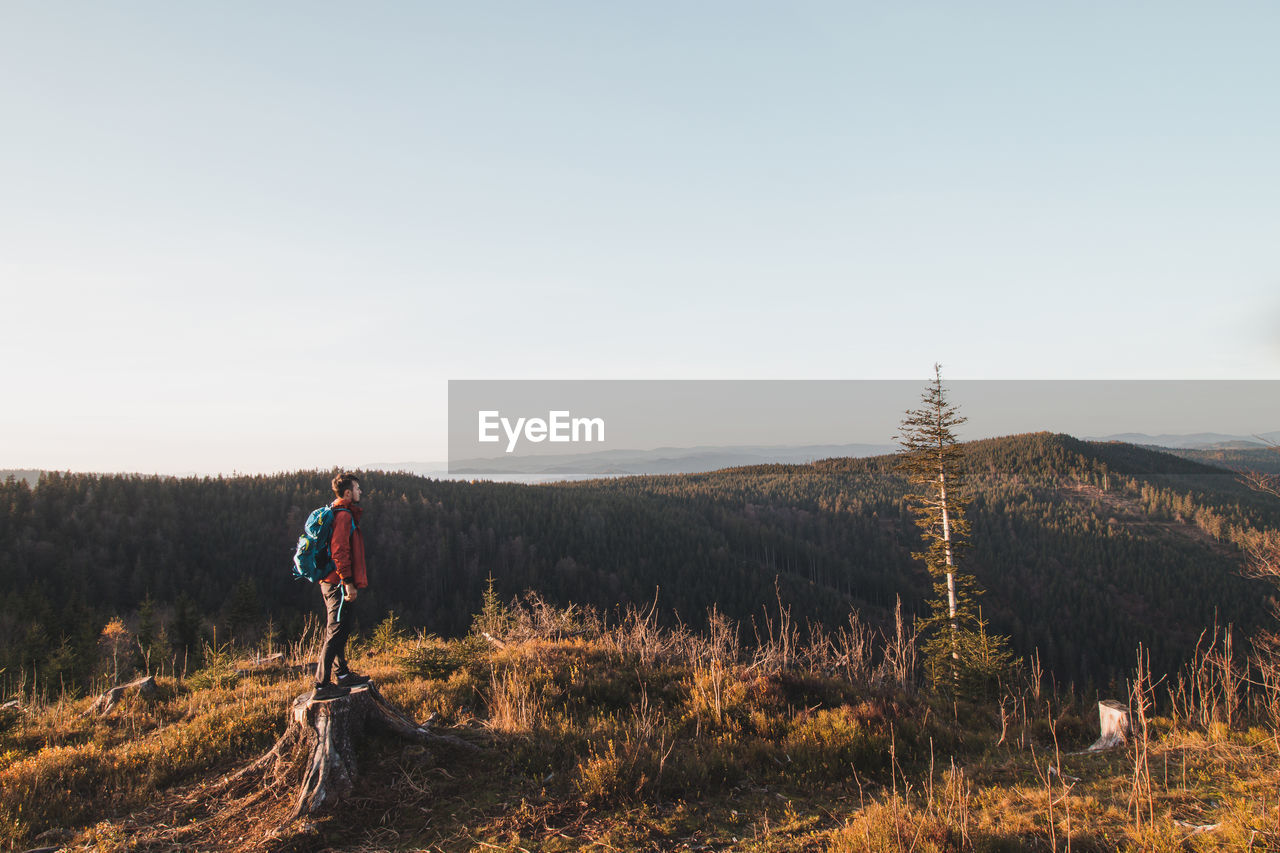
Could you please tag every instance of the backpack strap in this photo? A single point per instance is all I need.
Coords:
(348, 511)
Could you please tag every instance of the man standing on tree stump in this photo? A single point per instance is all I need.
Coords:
(340, 589)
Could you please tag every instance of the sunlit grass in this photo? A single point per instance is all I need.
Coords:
(635, 742)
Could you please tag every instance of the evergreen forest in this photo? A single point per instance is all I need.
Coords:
(1084, 549)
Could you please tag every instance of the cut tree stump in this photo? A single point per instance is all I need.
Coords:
(104, 704)
(1113, 717)
(316, 754)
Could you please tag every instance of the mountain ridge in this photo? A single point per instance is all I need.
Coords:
(1069, 537)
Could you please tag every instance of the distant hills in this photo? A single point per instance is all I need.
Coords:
(1195, 441)
(699, 459)
(1265, 460)
(1235, 453)
(662, 460)
(1085, 548)
(691, 460)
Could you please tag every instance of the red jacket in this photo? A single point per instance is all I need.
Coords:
(347, 546)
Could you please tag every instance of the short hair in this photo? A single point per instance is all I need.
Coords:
(343, 481)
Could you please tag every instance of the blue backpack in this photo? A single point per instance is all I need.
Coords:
(312, 560)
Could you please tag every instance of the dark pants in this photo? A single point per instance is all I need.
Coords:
(335, 632)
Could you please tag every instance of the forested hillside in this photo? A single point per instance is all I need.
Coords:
(1085, 549)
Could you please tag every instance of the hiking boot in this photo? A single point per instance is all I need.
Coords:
(351, 680)
(329, 691)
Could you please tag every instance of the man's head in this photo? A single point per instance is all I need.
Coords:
(347, 485)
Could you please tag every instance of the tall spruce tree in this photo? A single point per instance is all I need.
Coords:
(961, 657)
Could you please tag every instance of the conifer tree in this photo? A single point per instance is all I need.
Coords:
(147, 625)
(243, 609)
(958, 648)
(493, 618)
(186, 625)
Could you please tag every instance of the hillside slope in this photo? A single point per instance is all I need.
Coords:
(1086, 549)
(635, 739)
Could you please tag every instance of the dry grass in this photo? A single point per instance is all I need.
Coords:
(632, 738)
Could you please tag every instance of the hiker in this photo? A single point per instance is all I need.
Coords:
(340, 589)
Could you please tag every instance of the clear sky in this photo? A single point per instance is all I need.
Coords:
(261, 236)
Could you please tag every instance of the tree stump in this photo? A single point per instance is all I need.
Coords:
(316, 754)
(104, 704)
(1113, 718)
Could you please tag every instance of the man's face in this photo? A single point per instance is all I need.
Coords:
(354, 492)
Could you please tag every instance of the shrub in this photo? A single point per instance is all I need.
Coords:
(431, 657)
(831, 743)
(219, 669)
(894, 825)
(387, 635)
(618, 771)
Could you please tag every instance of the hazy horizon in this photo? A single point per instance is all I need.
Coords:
(440, 467)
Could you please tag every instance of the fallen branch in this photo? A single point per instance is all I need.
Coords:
(104, 704)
